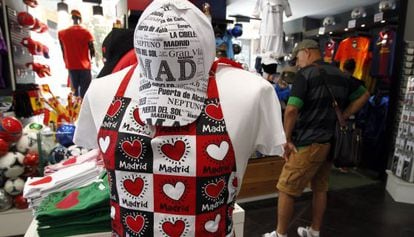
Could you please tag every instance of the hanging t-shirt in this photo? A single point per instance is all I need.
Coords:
(329, 51)
(383, 54)
(271, 28)
(356, 48)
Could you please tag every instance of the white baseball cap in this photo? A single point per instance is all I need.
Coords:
(175, 47)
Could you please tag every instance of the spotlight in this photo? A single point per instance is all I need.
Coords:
(383, 21)
(363, 25)
(62, 7)
(97, 10)
(346, 29)
(331, 33)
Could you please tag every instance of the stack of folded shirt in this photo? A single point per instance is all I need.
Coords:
(38, 188)
(92, 155)
(75, 211)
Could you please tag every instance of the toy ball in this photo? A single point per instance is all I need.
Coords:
(6, 201)
(237, 30)
(33, 127)
(31, 159)
(14, 186)
(328, 21)
(76, 150)
(386, 5)
(358, 12)
(236, 48)
(4, 147)
(20, 202)
(64, 134)
(30, 171)
(10, 129)
(28, 143)
(58, 154)
(12, 164)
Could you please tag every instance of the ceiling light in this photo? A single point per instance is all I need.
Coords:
(62, 7)
(97, 10)
(331, 33)
(346, 29)
(363, 25)
(383, 21)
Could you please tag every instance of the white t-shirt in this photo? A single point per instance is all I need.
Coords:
(250, 108)
(272, 16)
(271, 27)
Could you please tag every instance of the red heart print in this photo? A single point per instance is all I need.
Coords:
(235, 182)
(174, 152)
(134, 187)
(173, 230)
(69, 201)
(135, 224)
(44, 180)
(214, 111)
(114, 108)
(136, 117)
(133, 148)
(69, 161)
(213, 190)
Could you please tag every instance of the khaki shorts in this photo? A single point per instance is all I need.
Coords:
(309, 164)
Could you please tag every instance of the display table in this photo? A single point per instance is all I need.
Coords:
(15, 221)
(238, 220)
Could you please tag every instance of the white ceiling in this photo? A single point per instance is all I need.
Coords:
(301, 8)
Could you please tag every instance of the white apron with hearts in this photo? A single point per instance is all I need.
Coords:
(169, 181)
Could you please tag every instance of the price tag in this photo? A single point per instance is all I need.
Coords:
(378, 17)
(321, 30)
(351, 24)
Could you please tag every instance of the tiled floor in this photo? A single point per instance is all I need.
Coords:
(367, 211)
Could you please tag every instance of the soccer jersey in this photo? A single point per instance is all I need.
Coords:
(75, 43)
(356, 48)
(271, 27)
(329, 51)
(383, 54)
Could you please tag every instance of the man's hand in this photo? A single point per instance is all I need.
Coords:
(289, 148)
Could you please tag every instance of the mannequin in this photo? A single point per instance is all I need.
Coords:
(77, 49)
(191, 163)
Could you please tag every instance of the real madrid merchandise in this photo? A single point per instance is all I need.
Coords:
(157, 172)
(37, 188)
(75, 211)
(93, 155)
(175, 55)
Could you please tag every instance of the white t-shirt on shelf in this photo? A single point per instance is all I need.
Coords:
(271, 27)
(250, 108)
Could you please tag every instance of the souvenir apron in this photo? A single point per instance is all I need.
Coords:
(169, 181)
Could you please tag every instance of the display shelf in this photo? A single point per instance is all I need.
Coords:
(15, 221)
(400, 190)
(261, 177)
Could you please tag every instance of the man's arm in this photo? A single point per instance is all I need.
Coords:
(356, 105)
(91, 49)
(61, 47)
(290, 117)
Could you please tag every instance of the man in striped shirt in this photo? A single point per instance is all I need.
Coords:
(309, 122)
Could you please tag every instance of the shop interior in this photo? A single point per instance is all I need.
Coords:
(37, 98)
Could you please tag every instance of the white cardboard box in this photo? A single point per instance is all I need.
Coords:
(400, 190)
